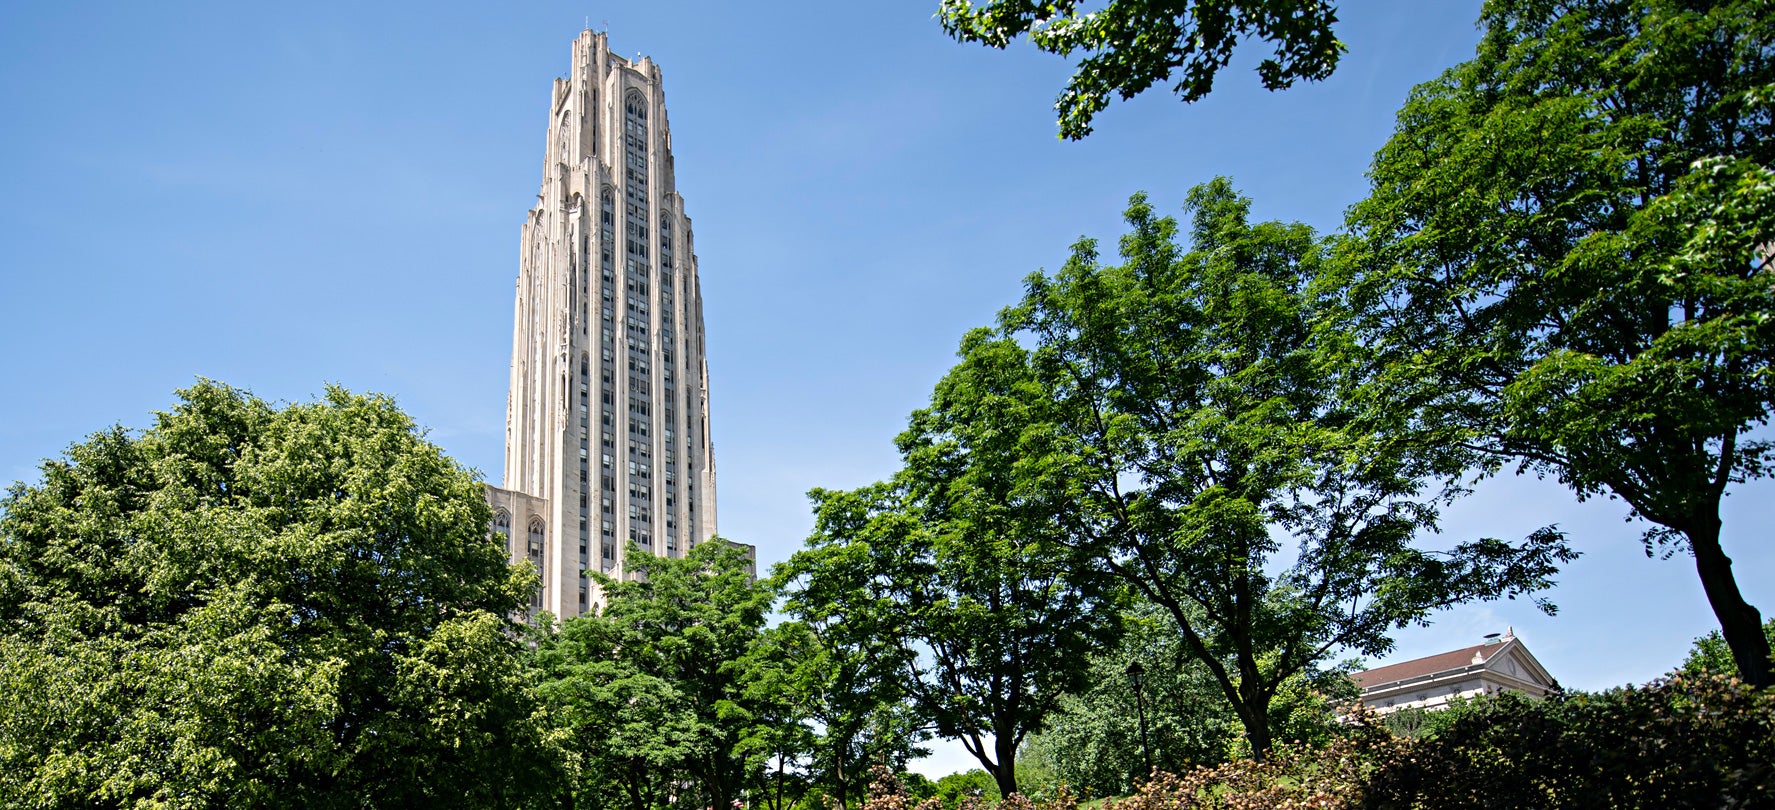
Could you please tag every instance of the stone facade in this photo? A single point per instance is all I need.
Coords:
(607, 420)
(1501, 664)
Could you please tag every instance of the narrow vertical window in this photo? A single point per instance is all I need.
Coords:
(502, 530)
(537, 559)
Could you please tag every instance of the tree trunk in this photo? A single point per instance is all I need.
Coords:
(1257, 729)
(1256, 723)
(1252, 703)
(838, 785)
(1740, 623)
(778, 803)
(1006, 772)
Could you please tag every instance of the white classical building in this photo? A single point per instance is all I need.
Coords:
(607, 420)
(1501, 664)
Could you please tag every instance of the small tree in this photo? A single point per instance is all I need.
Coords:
(956, 788)
(1711, 655)
(781, 676)
(868, 718)
(1093, 742)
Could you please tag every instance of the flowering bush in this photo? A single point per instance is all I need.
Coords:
(1292, 777)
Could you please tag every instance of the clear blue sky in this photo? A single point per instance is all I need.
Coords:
(280, 196)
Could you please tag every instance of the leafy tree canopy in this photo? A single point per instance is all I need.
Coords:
(1129, 45)
(1564, 262)
(651, 691)
(1711, 655)
(1093, 742)
(854, 703)
(783, 676)
(1203, 427)
(260, 607)
(954, 564)
(977, 784)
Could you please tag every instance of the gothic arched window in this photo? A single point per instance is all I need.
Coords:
(502, 529)
(536, 558)
(535, 545)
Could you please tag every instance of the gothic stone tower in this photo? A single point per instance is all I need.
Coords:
(607, 419)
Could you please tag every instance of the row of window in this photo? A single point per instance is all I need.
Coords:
(635, 224)
(637, 232)
(607, 294)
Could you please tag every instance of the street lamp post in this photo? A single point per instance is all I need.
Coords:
(1135, 670)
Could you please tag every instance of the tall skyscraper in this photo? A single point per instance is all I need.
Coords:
(607, 419)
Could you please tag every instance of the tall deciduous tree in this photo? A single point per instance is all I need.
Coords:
(955, 566)
(1129, 45)
(1203, 429)
(253, 607)
(1565, 261)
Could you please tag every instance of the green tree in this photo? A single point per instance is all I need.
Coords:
(918, 786)
(826, 715)
(651, 689)
(977, 784)
(1204, 426)
(955, 566)
(1564, 264)
(859, 708)
(259, 607)
(781, 676)
(1131, 44)
(1710, 653)
(631, 732)
(1093, 742)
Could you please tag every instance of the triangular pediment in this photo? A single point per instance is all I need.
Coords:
(1513, 660)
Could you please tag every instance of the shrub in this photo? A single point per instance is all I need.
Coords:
(1688, 741)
